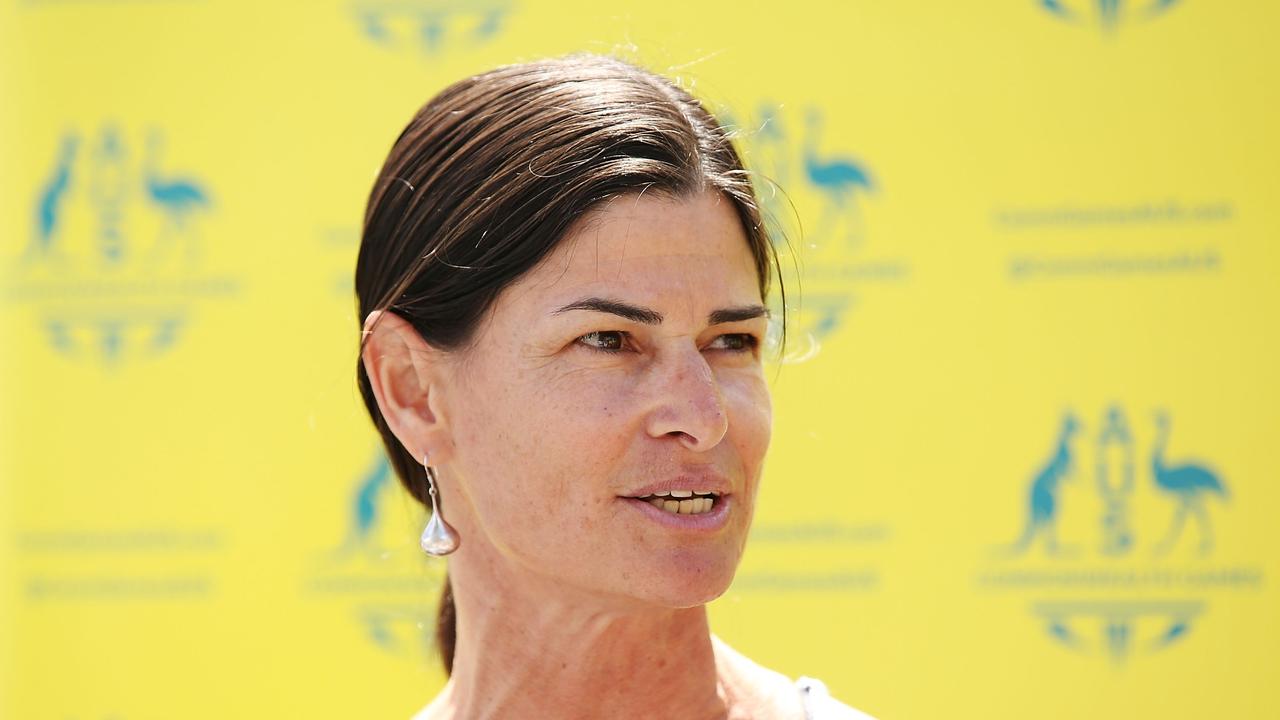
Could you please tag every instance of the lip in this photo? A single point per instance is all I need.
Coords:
(707, 522)
(713, 482)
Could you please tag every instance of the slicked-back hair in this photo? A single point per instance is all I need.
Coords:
(489, 175)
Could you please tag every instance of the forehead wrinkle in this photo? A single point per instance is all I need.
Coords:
(630, 219)
(687, 294)
(610, 236)
(573, 240)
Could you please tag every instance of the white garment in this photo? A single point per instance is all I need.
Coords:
(819, 705)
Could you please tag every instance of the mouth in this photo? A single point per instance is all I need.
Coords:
(683, 502)
(694, 512)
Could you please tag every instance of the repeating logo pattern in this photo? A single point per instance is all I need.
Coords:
(431, 27)
(387, 585)
(115, 261)
(793, 162)
(1119, 592)
(1107, 14)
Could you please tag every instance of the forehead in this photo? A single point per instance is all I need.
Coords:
(651, 244)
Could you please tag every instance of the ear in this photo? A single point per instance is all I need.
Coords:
(407, 377)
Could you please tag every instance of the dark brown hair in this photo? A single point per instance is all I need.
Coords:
(488, 176)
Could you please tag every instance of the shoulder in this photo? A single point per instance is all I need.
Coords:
(819, 705)
(756, 691)
(438, 707)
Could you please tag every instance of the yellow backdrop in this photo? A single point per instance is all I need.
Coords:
(1021, 462)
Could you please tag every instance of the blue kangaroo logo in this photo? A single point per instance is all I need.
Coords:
(49, 204)
(839, 179)
(1189, 483)
(365, 511)
(385, 624)
(1042, 501)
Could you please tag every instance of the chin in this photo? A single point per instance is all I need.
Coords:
(688, 578)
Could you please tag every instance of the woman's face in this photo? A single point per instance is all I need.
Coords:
(627, 364)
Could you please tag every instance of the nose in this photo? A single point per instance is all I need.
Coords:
(688, 404)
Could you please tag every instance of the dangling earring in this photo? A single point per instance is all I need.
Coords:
(438, 538)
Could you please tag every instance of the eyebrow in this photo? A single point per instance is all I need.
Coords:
(635, 313)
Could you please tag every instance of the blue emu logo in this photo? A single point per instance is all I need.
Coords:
(836, 178)
(1106, 13)
(116, 241)
(1189, 484)
(785, 156)
(433, 26)
(839, 181)
(1178, 488)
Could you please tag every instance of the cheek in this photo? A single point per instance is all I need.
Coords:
(541, 447)
(750, 419)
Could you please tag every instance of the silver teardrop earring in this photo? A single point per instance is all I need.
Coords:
(438, 538)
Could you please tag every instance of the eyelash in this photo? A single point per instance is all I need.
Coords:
(749, 345)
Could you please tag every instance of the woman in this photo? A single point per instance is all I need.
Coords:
(563, 277)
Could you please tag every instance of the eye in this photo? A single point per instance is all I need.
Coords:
(737, 342)
(604, 340)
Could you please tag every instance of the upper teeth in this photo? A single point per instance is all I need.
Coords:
(682, 493)
(683, 502)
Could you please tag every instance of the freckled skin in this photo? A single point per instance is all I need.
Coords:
(570, 602)
(554, 431)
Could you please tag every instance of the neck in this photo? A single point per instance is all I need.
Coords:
(529, 648)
